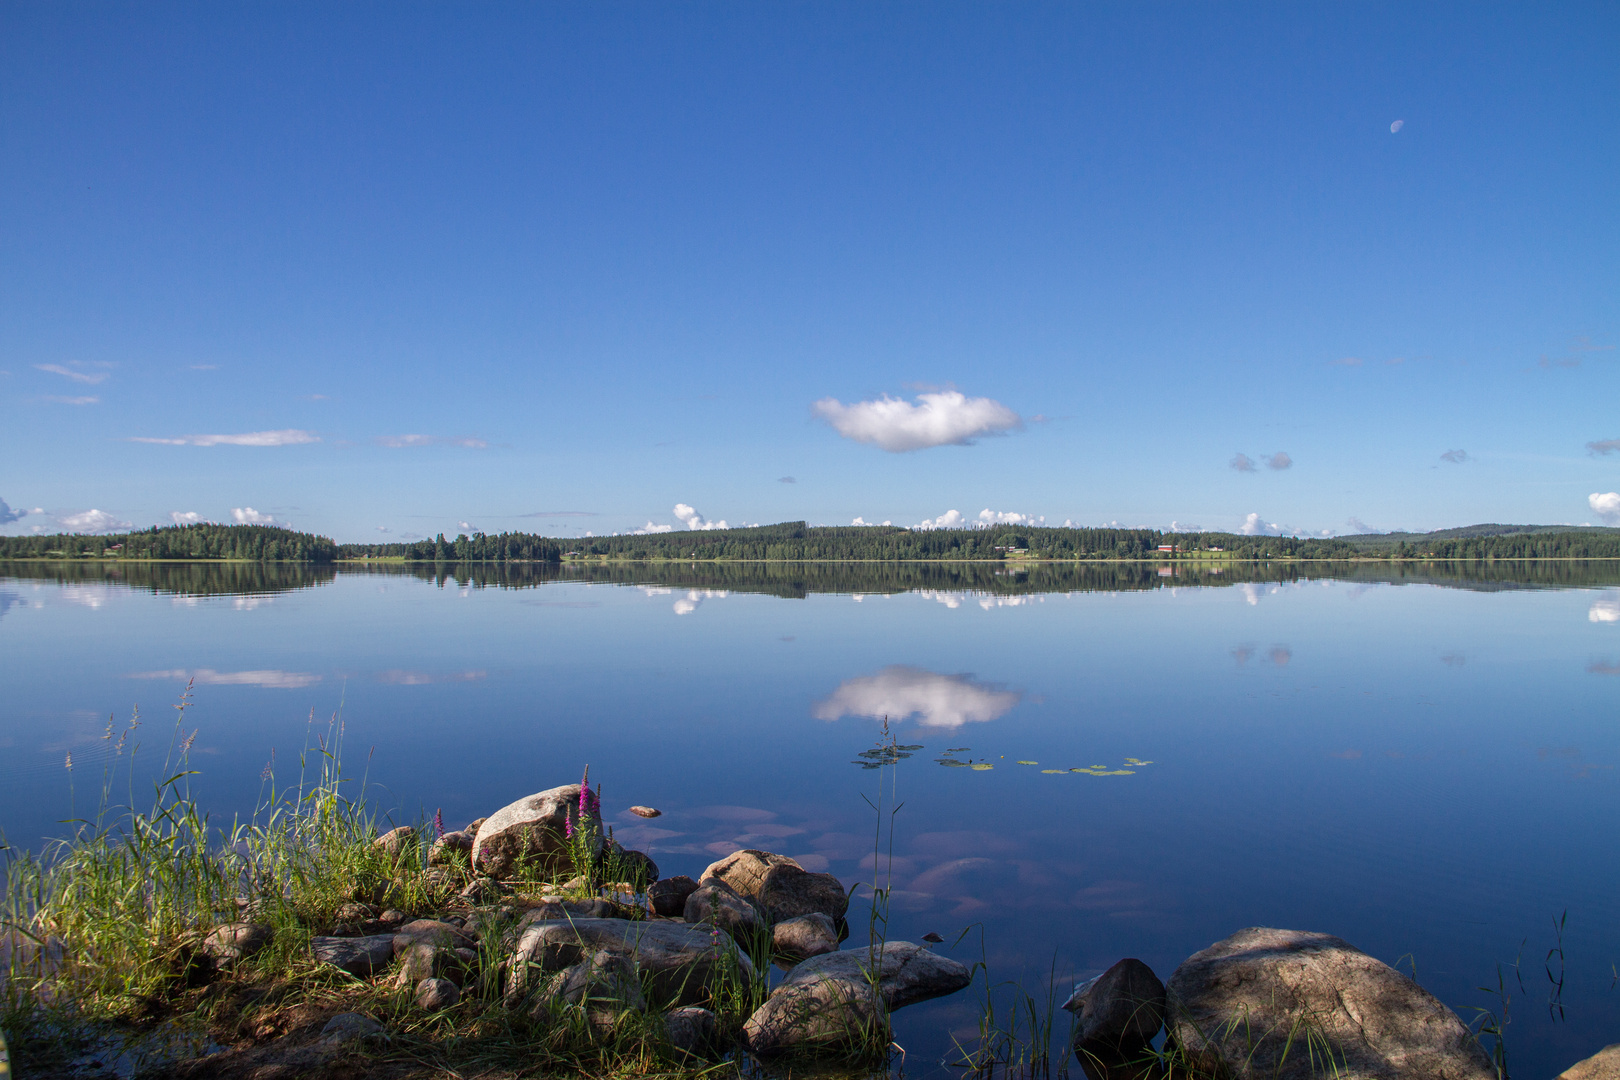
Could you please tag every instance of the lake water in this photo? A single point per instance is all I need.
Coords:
(1420, 761)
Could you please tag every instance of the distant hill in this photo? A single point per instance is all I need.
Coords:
(795, 541)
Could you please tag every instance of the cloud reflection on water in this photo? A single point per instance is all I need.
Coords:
(900, 692)
(268, 680)
(1605, 610)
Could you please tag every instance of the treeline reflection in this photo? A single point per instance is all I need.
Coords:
(799, 580)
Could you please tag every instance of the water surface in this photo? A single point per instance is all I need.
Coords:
(1418, 759)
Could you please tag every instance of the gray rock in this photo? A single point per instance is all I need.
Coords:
(668, 897)
(435, 994)
(395, 841)
(743, 872)
(393, 917)
(606, 980)
(424, 960)
(451, 848)
(677, 962)
(482, 890)
(532, 833)
(713, 903)
(692, 1030)
(355, 913)
(232, 942)
(1603, 1065)
(805, 936)
(1123, 1008)
(788, 890)
(827, 1002)
(434, 932)
(1288, 1004)
(597, 907)
(350, 1027)
(361, 957)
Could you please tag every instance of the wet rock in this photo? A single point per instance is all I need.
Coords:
(668, 897)
(1603, 1065)
(451, 849)
(827, 1002)
(232, 942)
(1289, 1004)
(677, 961)
(743, 872)
(435, 994)
(805, 936)
(395, 842)
(1122, 1009)
(692, 1030)
(788, 890)
(361, 957)
(532, 832)
(713, 903)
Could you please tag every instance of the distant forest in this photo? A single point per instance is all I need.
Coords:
(797, 542)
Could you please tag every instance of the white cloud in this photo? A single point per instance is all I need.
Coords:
(8, 515)
(1253, 526)
(91, 521)
(466, 527)
(900, 692)
(1278, 461)
(649, 529)
(185, 517)
(1242, 463)
(1606, 506)
(1175, 527)
(1007, 517)
(1357, 525)
(1605, 610)
(246, 515)
(941, 418)
(397, 442)
(950, 519)
(694, 520)
(72, 400)
(694, 599)
(863, 521)
(282, 437)
(268, 680)
(90, 378)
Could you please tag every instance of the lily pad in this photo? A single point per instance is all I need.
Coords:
(1029, 763)
(1054, 770)
(981, 766)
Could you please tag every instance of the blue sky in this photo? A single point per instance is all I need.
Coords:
(416, 268)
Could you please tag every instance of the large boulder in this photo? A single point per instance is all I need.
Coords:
(677, 962)
(803, 937)
(744, 871)
(1121, 1009)
(715, 904)
(1603, 1065)
(668, 897)
(788, 891)
(532, 833)
(692, 1030)
(361, 957)
(1289, 1004)
(840, 1000)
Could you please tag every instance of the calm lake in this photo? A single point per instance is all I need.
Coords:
(1421, 761)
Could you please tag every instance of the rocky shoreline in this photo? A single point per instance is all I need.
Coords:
(618, 941)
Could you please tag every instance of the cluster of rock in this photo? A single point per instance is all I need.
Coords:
(1281, 1004)
(619, 940)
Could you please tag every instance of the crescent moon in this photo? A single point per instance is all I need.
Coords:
(1396, 126)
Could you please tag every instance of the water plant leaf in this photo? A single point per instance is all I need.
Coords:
(1134, 761)
(957, 749)
(1055, 771)
(952, 762)
(979, 766)
(917, 746)
(1029, 763)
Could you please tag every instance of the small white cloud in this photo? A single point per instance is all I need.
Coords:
(89, 378)
(1359, 526)
(382, 528)
(1007, 517)
(1253, 526)
(91, 521)
(694, 520)
(53, 399)
(268, 680)
(1242, 463)
(941, 418)
(1175, 527)
(466, 527)
(246, 515)
(1278, 461)
(398, 442)
(185, 517)
(649, 529)
(1456, 457)
(1606, 506)
(282, 437)
(8, 515)
(900, 692)
(950, 519)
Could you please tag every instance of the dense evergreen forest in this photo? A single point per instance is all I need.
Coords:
(796, 542)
